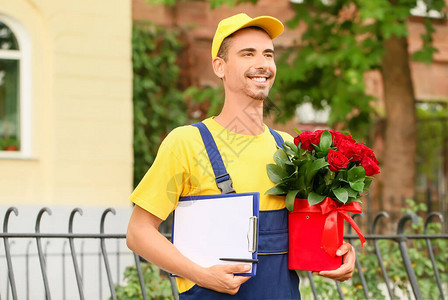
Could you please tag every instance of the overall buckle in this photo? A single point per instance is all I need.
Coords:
(225, 184)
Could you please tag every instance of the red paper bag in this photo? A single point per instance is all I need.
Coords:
(305, 236)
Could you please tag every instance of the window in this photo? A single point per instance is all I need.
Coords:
(15, 117)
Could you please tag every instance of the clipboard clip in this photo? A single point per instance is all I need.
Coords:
(252, 235)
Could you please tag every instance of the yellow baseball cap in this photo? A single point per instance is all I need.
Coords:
(226, 27)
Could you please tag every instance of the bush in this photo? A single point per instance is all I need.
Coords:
(157, 287)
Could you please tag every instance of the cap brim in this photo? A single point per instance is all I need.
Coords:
(269, 24)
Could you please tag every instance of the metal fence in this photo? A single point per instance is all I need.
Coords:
(40, 242)
(104, 256)
(404, 241)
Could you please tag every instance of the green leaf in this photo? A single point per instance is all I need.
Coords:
(289, 201)
(275, 190)
(356, 174)
(275, 173)
(297, 131)
(340, 179)
(325, 141)
(357, 185)
(300, 183)
(290, 168)
(314, 198)
(289, 151)
(367, 182)
(293, 147)
(280, 158)
(351, 192)
(313, 168)
(352, 199)
(341, 194)
(303, 166)
(329, 177)
(298, 163)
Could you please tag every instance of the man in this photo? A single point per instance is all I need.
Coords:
(243, 57)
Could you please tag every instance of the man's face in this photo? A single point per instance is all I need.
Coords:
(250, 67)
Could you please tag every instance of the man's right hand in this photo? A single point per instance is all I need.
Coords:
(221, 278)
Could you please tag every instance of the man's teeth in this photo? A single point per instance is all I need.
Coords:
(259, 79)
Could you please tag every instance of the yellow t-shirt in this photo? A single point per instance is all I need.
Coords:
(182, 168)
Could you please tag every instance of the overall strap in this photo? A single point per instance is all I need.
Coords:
(278, 138)
(222, 178)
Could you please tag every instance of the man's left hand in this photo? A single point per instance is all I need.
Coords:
(345, 271)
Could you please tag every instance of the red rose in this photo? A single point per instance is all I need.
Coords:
(370, 166)
(305, 137)
(339, 136)
(367, 152)
(337, 160)
(315, 140)
(308, 138)
(350, 150)
(297, 140)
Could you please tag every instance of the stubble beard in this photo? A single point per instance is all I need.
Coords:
(261, 94)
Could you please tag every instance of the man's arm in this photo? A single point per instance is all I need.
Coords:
(345, 271)
(144, 238)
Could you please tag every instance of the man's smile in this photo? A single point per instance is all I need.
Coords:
(259, 77)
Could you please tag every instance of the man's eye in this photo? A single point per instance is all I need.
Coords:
(269, 55)
(247, 54)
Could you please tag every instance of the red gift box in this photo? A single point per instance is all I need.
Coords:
(316, 232)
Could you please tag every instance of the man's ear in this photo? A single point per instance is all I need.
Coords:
(218, 66)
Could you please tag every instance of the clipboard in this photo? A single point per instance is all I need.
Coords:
(207, 229)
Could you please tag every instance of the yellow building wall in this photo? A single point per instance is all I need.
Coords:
(81, 105)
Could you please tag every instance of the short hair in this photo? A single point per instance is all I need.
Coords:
(225, 45)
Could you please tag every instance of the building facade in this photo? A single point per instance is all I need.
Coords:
(67, 109)
(65, 133)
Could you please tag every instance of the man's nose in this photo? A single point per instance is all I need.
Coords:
(261, 62)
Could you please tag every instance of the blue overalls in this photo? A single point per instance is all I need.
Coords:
(273, 279)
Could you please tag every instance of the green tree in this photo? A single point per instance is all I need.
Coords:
(158, 102)
(344, 39)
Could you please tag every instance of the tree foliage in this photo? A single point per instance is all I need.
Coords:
(159, 105)
(343, 39)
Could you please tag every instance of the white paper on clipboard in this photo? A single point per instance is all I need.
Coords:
(207, 228)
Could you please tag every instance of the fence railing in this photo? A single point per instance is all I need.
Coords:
(41, 241)
(104, 256)
(402, 240)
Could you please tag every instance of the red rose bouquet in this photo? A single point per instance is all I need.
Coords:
(323, 175)
(320, 164)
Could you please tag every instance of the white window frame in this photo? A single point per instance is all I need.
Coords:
(25, 87)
